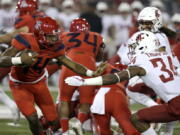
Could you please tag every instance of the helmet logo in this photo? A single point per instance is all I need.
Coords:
(157, 14)
(139, 37)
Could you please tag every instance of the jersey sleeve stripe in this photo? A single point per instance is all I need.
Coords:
(18, 20)
(60, 47)
(20, 39)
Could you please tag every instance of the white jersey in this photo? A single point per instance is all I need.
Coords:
(164, 41)
(123, 54)
(123, 50)
(160, 74)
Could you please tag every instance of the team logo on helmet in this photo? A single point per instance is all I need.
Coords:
(157, 14)
(140, 37)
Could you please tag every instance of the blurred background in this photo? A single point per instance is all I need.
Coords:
(114, 19)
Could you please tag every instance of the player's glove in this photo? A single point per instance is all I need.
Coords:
(74, 81)
(28, 57)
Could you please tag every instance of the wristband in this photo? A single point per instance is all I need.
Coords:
(16, 60)
(30, 54)
(54, 60)
(93, 81)
(89, 72)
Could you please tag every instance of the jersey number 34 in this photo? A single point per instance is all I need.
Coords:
(158, 62)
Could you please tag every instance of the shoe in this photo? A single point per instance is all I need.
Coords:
(69, 132)
(76, 125)
(48, 131)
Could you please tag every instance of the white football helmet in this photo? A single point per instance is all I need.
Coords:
(143, 42)
(152, 15)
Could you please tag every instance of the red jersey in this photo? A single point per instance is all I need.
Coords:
(86, 42)
(176, 50)
(35, 71)
(28, 20)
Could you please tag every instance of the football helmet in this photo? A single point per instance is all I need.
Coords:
(152, 17)
(46, 31)
(79, 25)
(143, 42)
(24, 6)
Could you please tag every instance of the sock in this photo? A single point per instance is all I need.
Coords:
(64, 124)
(82, 116)
(170, 127)
(149, 131)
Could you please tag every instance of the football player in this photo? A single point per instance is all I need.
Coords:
(111, 101)
(155, 67)
(28, 83)
(24, 23)
(83, 46)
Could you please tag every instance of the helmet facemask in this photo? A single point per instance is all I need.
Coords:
(151, 17)
(47, 32)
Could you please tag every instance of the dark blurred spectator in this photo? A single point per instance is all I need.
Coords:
(160, 5)
(176, 25)
(91, 16)
(119, 1)
(175, 5)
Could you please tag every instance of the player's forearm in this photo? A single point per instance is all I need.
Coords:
(7, 61)
(80, 69)
(104, 80)
(6, 38)
(76, 67)
(112, 78)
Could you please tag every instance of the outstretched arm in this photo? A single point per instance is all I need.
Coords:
(9, 58)
(6, 38)
(78, 68)
(108, 78)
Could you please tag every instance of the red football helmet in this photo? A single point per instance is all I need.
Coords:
(46, 31)
(79, 25)
(25, 6)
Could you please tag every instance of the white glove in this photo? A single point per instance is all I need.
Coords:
(74, 81)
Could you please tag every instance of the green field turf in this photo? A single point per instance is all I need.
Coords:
(23, 129)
